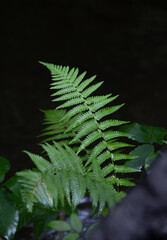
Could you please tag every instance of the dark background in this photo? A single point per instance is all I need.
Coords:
(123, 42)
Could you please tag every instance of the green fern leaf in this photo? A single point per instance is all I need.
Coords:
(117, 145)
(123, 169)
(79, 79)
(67, 96)
(104, 156)
(71, 102)
(97, 105)
(121, 156)
(92, 137)
(83, 117)
(40, 162)
(123, 182)
(59, 85)
(85, 83)
(91, 89)
(78, 109)
(111, 123)
(107, 169)
(98, 149)
(96, 99)
(87, 128)
(114, 134)
(107, 111)
(63, 91)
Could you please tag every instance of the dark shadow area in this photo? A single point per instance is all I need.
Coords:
(123, 42)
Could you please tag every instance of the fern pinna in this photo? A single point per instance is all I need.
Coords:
(86, 154)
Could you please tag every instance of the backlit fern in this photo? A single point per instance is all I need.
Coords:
(84, 116)
(86, 155)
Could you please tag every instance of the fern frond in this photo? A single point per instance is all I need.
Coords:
(85, 114)
(63, 177)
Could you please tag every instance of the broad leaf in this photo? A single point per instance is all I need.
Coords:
(145, 133)
(15, 187)
(142, 152)
(9, 215)
(76, 223)
(41, 218)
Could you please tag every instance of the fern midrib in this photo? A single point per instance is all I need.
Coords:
(96, 120)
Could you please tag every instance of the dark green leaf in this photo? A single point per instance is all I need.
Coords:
(59, 226)
(9, 215)
(141, 152)
(41, 218)
(24, 217)
(4, 167)
(145, 133)
(15, 187)
(76, 223)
